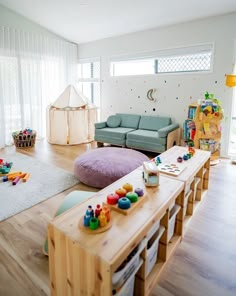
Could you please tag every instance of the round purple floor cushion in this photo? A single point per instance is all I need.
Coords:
(101, 167)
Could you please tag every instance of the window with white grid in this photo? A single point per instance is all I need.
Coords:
(89, 80)
(191, 59)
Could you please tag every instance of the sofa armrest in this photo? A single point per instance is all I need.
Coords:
(100, 124)
(163, 132)
(173, 138)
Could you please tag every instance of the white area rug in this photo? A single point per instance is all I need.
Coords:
(45, 181)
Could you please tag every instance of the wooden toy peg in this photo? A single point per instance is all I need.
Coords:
(26, 177)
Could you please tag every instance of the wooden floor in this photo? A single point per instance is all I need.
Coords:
(204, 263)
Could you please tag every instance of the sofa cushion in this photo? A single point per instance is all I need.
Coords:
(153, 123)
(146, 136)
(113, 121)
(109, 132)
(129, 120)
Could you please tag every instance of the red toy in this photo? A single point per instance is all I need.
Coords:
(112, 198)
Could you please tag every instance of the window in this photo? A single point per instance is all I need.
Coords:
(89, 80)
(192, 59)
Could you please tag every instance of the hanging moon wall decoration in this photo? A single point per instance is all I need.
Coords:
(150, 94)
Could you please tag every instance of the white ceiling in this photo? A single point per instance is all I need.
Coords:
(82, 21)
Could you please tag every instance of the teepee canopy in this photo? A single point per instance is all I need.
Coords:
(70, 98)
(70, 119)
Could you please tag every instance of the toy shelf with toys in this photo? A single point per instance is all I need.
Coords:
(127, 258)
(203, 126)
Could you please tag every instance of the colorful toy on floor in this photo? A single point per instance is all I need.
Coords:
(5, 167)
(150, 174)
(15, 177)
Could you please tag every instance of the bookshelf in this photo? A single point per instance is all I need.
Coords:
(202, 128)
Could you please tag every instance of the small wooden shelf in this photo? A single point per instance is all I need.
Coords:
(204, 130)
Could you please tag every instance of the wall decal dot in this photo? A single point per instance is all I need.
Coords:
(130, 107)
(131, 89)
(177, 98)
(145, 111)
(111, 106)
(165, 81)
(178, 85)
(154, 109)
(215, 81)
(139, 97)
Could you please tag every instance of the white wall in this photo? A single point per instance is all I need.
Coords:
(174, 92)
(11, 19)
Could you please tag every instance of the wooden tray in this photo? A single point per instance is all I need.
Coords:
(90, 231)
(171, 169)
(134, 205)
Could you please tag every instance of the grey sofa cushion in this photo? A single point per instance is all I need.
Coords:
(146, 136)
(129, 120)
(109, 132)
(113, 121)
(153, 123)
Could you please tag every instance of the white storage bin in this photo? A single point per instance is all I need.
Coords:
(185, 206)
(120, 276)
(128, 288)
(152, 252)
(171, 226)
(154, 228)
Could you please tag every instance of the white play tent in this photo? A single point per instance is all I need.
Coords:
(70, 119)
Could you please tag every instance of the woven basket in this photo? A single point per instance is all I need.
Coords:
(24, 140)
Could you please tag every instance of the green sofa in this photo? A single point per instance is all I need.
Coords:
(144, 132)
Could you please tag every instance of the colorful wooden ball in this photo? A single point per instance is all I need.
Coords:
(179, 159)
(128, 187)
(132, 196)
(112, 198)
(124, 203)
(185, 157)
(121, 192)
(139, 191)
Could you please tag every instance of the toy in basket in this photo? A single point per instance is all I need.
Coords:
(24, 138)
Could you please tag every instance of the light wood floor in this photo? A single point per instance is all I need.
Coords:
(204, 263)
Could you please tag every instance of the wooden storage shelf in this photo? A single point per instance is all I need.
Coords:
(204, 130)
(83, 264)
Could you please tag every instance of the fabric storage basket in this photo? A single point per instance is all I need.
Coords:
(25, 138)
(152, 251)
(127, 267)
(171, 226)
(128, 288)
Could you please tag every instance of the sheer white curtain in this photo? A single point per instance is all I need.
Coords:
(34, 70)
